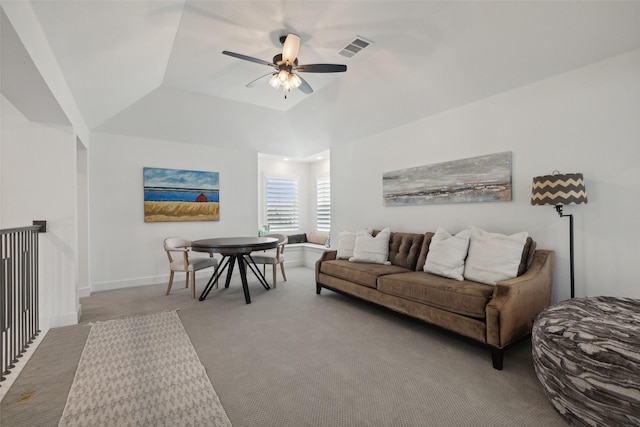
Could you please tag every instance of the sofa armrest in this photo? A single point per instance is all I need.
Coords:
(327, 255)
(516, 302)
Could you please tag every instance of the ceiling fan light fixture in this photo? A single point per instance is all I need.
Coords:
(283, 76)
(290, 81)
(290, 48)
(294, 81)
(274, 81)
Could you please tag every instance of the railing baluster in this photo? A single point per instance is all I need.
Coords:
(19, 302)
(33, 301)
(13, 290)
(24, 284)
(4, 305)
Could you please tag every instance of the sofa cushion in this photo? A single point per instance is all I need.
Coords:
(467, 298)
(493, 256)
(447, 254)
(404, 249)
(527, 255)
(317, 238)
(297, 238)
(361, 273)
(372, 249)
(347, 242)
(424, 250)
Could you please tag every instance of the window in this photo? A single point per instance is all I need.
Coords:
(281, 203)
(323, 204)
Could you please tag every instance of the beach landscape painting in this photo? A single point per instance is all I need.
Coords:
(477, 179)
(180, 195)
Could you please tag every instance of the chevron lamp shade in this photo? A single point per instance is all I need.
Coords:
(558, 189)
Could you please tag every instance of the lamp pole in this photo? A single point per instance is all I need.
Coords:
(559, 210)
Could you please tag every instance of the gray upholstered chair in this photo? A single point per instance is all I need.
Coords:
(272, 257)
(185, 263)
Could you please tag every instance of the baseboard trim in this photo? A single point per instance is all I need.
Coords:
(130, 283)
(84, 292)
(66, 319)
(201, 278)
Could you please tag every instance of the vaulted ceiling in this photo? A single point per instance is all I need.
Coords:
(155, 69)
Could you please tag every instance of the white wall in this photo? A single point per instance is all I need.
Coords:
(27, 26)
(39, 161)
(126, 251)
(37, 169)
(583, 121)
(82, 217)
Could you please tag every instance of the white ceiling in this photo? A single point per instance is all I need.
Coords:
(155, 69)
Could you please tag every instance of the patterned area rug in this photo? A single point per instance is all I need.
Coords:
(141, 371)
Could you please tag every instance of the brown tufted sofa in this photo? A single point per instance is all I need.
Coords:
(493, 315)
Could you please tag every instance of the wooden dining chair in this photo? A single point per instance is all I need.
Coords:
(273, 257)
(185, 263)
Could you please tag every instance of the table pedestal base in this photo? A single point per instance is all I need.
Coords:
(230, 261)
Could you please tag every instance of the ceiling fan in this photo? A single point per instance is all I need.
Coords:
(287, 68)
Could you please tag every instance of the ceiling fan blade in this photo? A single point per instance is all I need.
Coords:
(252, 83)
(304, 86)
(248, 58)
(322, 68)
(290, 48)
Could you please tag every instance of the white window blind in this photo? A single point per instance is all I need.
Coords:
(281, 202)
(323, 204)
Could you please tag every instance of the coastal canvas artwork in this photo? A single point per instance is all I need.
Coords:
(180, 195)
(477, 179)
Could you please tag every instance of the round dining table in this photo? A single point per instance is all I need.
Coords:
(234, 249)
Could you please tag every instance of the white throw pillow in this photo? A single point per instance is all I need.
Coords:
(493, 257)
(372, 249)
(347, 242)
(317, 238)
(447, 253)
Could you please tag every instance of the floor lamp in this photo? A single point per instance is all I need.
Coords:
(559, 190)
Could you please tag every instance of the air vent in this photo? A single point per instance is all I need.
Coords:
(354, 47)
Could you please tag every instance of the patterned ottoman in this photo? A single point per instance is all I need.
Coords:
(586, 354)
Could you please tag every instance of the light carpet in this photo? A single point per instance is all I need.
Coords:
(142, 370)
